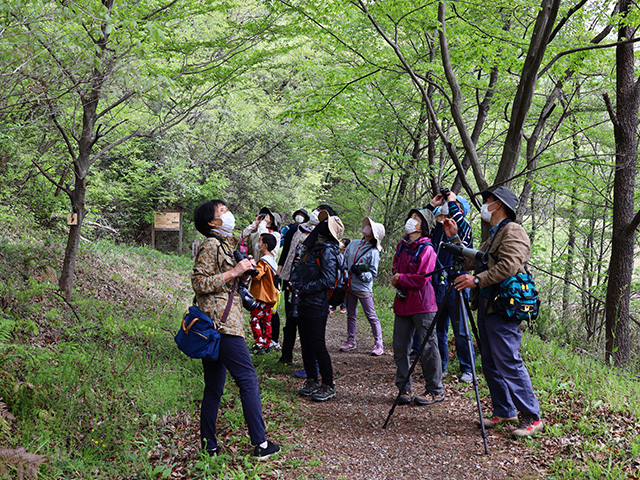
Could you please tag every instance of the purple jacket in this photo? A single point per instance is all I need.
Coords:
(412, 260)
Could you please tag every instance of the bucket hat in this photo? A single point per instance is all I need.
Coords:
(336, 228)
(377, 229)
(506, 196)
(428, 218)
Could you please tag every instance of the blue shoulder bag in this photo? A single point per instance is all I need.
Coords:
(198, 336)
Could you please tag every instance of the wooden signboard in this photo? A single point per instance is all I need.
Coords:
(167, 221)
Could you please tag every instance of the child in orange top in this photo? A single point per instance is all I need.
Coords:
(265, 293)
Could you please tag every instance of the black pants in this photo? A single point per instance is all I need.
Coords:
(290, 329)
(314, 348)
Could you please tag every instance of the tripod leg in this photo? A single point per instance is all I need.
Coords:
(417, 359)
(462, 312)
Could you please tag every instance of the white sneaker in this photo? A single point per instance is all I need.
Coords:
(466, 377)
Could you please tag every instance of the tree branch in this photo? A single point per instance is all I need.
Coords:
(52, 180)
(158, 10)
(635, 223)
(346, 85)
(584, 49)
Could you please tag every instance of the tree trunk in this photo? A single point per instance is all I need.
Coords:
(526, 87)
(67, 276)
(625, 122)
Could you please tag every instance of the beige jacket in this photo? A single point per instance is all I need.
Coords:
(509, 253)
(212, 293)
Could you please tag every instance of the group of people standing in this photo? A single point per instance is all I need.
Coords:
(307, 271)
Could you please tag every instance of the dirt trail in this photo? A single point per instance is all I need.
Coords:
(343, 438)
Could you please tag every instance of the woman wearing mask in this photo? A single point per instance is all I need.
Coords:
(415, 307)
(214, 279)
(362, 258)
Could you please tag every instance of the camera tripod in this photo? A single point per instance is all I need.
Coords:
(463, 312)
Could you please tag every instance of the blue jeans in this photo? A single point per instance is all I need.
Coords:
(234, 356)
(467, 358)
(507, 377)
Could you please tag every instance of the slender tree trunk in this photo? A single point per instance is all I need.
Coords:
(625, 122)
(568, 264)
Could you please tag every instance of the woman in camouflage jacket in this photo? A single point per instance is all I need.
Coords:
(214, 278)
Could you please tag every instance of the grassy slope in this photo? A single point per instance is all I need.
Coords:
(97, 386)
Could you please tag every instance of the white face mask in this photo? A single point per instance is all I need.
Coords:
(313, 218)
(299, 219)
(228, 223)
(485, 214)
(410, 225)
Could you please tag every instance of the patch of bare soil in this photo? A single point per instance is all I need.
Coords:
(344, 438)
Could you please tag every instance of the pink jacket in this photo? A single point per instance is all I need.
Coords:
(412, 260)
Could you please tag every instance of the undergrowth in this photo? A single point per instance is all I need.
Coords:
(97, 386)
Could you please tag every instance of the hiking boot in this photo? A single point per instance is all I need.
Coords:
(309, 388)
(466, 377)
(343, 310)
(428, 398)
(266, 452)
(285, 361)
(528, 427)
(405, 397)
(324, 393)
(495, 421)
(377, 350)
(348, 345)
(275, 346)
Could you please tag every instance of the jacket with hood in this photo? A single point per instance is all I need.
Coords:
(315, 274)
(412, 261)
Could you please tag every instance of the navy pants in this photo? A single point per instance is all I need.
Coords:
(507, 377)
(314, 348)
(466, 357)
(234, 356)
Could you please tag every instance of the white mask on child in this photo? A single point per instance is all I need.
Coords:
(299, 219)
(410, 225)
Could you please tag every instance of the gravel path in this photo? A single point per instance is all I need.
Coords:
(344, 438)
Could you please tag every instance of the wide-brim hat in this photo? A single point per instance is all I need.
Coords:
(506, 196)
(277, 221)
(428, 218)
(302, 212)
(336, 228)
(377, 229)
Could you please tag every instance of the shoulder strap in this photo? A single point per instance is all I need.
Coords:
(227, 309)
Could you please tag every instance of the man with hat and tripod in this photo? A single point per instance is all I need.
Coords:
(508, 250)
